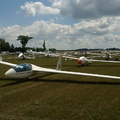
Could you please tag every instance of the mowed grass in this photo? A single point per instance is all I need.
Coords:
(58, 96)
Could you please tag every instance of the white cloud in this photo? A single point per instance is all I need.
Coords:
(99, 33)
(77, 9)
(35, 8)
(84, 9)
(107, 40)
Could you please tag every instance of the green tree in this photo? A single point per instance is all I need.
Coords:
(4, 46)
(12, 48)
(24, 40)
(52, 50)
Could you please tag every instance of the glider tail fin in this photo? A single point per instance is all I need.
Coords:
(0, 58)
(59, 63)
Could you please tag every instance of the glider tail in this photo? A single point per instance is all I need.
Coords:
(0, 58)
(59, 64)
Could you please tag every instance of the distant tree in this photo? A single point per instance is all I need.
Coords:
(0, 45)
(18, 49)
(7, 46)
(52, 50)
(24, 40)
(37, 49)
(44, 47)
(12, 48)
(4, 46)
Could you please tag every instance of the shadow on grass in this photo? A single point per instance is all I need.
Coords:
(19, 81)
(14, 81)
(79, 82)
(39, 79)
(103, 65)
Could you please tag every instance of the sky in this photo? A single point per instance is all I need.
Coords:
(63, 24)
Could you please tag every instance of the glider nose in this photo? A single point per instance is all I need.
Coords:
(10, 72)
(79, 61)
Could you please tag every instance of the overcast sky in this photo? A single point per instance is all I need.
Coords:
(63, 24)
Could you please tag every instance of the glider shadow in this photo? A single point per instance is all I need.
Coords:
(78, 82)
(39, 79)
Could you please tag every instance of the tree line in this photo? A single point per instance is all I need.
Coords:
(6, 46)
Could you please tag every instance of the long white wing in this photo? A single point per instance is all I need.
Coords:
(40, 69)
(6, 63)
(70, 57)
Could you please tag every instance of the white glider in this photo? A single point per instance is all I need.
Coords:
(84, 61)
(27, 70)
(22, 56)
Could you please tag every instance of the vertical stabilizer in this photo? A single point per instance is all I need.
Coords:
(0, 58)
(33, 55)
(59, 64)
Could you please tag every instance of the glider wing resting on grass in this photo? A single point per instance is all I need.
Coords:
(27, 70)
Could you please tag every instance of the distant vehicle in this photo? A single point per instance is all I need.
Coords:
(28, 70)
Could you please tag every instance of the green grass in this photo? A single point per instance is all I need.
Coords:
(60, 97)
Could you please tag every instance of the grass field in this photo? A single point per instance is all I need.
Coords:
(61, 97)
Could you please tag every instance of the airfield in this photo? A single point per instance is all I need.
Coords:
(58, 96)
